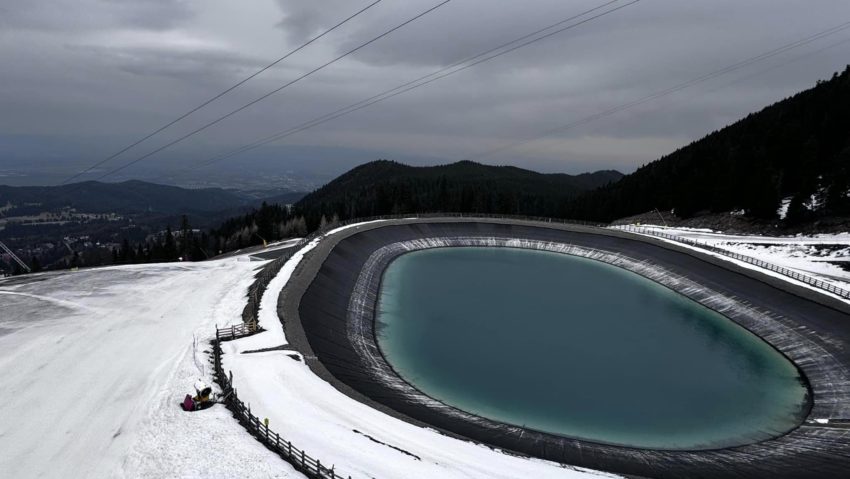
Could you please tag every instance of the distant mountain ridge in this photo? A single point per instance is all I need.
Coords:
(388, 187)
(796, 150)
(127, 197)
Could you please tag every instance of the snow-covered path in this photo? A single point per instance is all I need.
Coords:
(95, 362)
(705, 234)
(824, 256)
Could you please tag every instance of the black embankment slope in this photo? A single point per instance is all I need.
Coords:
(806, 326)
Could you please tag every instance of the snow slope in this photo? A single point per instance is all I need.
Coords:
(358, 440)
(95, 362)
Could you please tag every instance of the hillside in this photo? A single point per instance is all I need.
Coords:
(387, 187)
(797, 150)
(85, 223)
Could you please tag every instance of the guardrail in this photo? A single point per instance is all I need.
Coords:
(300, 460)
(256, 290)
(810, 280)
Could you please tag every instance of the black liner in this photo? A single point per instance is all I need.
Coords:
(315, 304)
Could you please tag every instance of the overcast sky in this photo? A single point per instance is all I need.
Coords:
(80, 79)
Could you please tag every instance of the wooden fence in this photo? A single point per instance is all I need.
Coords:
(237, 331)
(300, 460)
(810, 280)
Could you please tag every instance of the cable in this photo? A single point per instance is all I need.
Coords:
(669, 91)
(216, 97)
(417, 83)
(243, 107)
(775, 67)
(782, 64)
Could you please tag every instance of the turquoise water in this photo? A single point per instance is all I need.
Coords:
(579, 348)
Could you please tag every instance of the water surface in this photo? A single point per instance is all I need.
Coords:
(580, 348)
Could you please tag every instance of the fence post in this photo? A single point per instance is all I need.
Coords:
(302, 458)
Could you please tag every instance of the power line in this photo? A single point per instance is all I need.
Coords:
(263, 97)
(782, 64)
(14, 257)
(774, 67)
(216, 97)
(676, 88)
(424, 80)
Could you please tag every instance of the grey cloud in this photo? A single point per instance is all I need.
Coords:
(196, 66)
(93, 76)
(80, 15)
(304, 18)
(152, 14)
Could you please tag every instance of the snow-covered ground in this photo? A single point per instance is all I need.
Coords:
(824, 256)
(94, 363)
(340, 431)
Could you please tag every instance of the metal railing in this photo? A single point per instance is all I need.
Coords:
(810, 280)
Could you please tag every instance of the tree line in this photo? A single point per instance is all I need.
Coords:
(798, 148)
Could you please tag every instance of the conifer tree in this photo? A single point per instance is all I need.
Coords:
(169, 248)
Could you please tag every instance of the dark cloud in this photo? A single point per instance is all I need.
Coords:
(90, 76)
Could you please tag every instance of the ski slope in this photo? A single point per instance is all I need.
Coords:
(94, 363)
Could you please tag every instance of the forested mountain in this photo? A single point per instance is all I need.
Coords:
(386, 187)
(797, 148)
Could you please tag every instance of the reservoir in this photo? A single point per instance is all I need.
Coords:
(579, 348)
